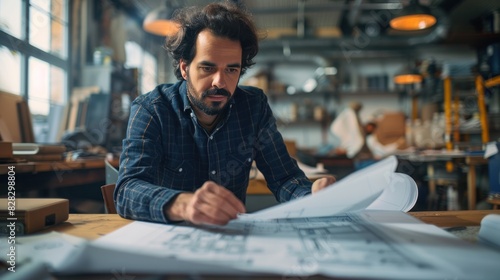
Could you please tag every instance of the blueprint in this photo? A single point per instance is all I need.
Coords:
(367, 244)
(352, 244)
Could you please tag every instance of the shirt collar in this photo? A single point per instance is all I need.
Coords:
(185, 100)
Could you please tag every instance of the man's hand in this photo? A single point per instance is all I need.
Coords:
(210, 204)
(322, 183)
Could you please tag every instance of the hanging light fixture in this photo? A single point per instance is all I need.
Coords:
(409, 75)
(413, 17)
(159, 21)
(408, 78)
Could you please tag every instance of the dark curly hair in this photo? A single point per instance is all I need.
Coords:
(223, 19)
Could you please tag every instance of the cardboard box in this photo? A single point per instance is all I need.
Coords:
(391, 127)
(28, 215)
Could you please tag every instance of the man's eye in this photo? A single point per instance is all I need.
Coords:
(207, 68)
(233, 70)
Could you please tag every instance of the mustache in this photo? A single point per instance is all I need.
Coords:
(216, 91)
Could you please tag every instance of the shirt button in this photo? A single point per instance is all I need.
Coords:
(213, 172)
(180, 169)
(249, 159)
(211, 137)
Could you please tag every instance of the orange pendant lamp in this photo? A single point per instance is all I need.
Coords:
(409, 75)
(408, 78)
(413, 17)
(159, 21)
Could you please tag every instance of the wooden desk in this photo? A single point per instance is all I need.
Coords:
(90, 226)
(54, 174)
(93, 226)
(258, 186)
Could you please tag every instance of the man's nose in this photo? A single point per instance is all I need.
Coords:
(219, 80)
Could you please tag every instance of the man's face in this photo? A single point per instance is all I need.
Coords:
(214, 73)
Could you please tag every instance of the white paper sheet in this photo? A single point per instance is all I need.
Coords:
(374, 187)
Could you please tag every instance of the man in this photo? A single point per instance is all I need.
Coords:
(190, 146)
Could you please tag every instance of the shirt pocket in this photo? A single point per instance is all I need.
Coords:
(179, 174)
(236, 169)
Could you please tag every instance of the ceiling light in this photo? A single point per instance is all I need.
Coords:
(310, 85)
(405, 79)
(330, 71)
(413, 17)
(409, 75)
(327, 71)
(159, 21)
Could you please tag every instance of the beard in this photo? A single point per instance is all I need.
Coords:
(211, 108)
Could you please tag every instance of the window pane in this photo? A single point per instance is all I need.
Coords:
(10, 81)
(58, 38)
(148, 80)
(39, 119)
(58, 9)
(39, 28)
(42, 4)
(38, 86)
(57, 85)
(134, 54)
(39, 109)
(10, 17)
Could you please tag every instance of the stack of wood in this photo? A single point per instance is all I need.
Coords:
(31, 152)
(38, 152)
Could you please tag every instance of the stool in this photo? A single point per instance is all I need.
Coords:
(495, 202)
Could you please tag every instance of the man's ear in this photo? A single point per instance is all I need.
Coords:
(184, 68)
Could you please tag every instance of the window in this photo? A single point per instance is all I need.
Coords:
(143, 60)
(34, 48)
(10, 81)
(149, 70)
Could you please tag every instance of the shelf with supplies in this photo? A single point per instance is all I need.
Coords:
(467, 90)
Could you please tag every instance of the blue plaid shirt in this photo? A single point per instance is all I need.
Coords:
(166, 152)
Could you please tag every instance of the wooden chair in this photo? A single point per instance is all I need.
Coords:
(107, 195)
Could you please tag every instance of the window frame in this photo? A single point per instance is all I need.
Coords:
(26, 50)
